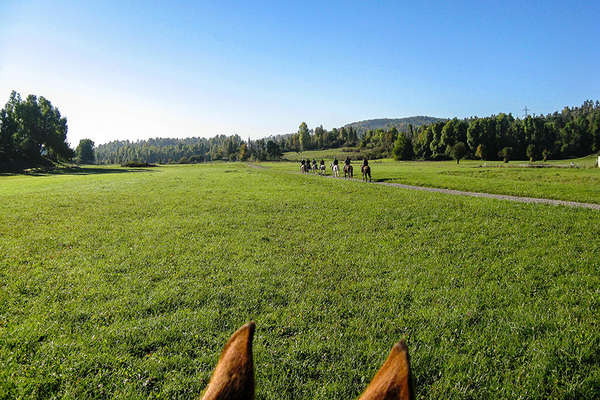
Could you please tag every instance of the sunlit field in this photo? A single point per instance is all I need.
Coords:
(126, 283)
(341, 153)
(579, 183)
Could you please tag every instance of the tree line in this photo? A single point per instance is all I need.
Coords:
(573, 132)
(33, 133)
(222, 147)
(189, 150)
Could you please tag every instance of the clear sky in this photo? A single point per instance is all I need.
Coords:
(129, 70)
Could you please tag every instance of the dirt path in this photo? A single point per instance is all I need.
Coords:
(495, 196)
(519, 199)
(489, 195)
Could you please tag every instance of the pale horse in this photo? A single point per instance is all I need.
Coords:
(335, 170)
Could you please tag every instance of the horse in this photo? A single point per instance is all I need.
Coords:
(335, 170)
(366, 172)
(303, 168)
(233, 376)
(315, 168)
(348, 171)
(322, 170)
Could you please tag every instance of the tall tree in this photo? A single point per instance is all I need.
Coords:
(438, 148)
(273, 150)
(304, 136)
(85, 152)
(32, 132)
(403, 148)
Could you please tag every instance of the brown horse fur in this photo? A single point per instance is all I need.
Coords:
(366, 172)
(348, 171)
(393, 381)
(233, 378)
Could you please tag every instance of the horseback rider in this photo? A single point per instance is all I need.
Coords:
(322, 164)
(347, 162)
(366, 170)
(335, 161)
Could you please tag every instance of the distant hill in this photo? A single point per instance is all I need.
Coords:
(400, 123)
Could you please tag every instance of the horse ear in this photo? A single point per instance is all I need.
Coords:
(233, 378)
(393, 381)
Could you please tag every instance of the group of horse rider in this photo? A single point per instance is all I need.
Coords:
(305, 166)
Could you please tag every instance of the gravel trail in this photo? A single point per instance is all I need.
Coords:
(495, 196)
(519, 199)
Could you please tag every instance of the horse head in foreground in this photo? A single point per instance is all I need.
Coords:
(233, 377)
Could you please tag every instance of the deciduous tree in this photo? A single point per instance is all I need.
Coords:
(85, 152)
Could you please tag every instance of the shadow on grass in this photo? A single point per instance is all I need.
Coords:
(77, 171)
(384, 180)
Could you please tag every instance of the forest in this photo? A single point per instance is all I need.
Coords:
(572, 132)
(33, 133)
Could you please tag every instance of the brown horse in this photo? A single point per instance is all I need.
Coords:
(233, 377)
(366, 172)
(348, 171)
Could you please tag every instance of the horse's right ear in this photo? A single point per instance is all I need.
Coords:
(233, 378)
(393, 381)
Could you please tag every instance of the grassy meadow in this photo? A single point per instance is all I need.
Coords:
(119, 283)
(515, 178)
(329, 154)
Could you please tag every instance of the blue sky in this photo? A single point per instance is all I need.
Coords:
(131, 70)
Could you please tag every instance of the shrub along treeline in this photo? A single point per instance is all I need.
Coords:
(32, 133)
(574, 132)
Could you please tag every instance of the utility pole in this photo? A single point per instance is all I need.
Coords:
(526, 111)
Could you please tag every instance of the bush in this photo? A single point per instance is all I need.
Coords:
(531, 152)
(196, 159)
(375, 153)
(458, 151)
(505, 154)
(545, 154)
(135, 164)
(480, 152)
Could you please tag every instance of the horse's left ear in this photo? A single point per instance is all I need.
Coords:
(233, 378)
(393, 381)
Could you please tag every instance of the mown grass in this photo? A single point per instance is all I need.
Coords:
(574, 184)
(127, 286)
(342, 152)
(329, 154)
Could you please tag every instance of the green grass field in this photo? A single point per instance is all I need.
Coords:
(574, 184)
(341, 153)
(127, 284)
